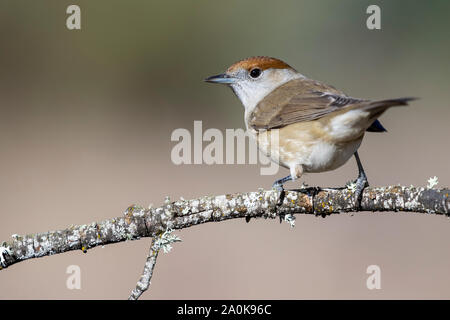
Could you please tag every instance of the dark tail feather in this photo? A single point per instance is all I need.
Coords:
(376, 126)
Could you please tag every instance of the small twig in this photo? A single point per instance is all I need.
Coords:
(144, 282)
(161, 241)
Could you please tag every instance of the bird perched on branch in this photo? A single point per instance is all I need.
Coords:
(319, 127)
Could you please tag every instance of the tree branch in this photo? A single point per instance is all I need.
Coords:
(138, 222)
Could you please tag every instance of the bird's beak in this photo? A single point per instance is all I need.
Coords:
(221, 78)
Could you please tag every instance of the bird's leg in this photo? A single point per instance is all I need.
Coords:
(361, 182)
(278, 185)
(296, 173)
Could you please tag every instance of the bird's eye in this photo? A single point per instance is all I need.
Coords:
(255, 73)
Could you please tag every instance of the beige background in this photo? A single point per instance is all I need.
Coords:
(85, 124)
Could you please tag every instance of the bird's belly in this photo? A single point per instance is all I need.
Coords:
(326, 156)
(312, 153)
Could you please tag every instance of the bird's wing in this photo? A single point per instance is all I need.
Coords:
(297, 101)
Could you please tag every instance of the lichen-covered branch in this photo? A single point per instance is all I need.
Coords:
(140, 222)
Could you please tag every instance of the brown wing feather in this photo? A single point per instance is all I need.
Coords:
(296, 101)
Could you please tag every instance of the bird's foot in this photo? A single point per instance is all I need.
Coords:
(361, 183)
(278, 187)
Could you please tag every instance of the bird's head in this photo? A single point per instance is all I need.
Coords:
(253, 78)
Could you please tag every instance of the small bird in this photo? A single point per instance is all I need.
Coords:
(319, 127)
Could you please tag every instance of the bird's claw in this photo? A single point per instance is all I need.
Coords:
(280, 191)
(361, 183)
(278, 187)
(280, 197)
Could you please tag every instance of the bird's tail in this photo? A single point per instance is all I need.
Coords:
(381, 105)
(376, 109)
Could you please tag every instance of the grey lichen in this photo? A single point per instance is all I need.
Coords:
(5, 253)
(432, 182)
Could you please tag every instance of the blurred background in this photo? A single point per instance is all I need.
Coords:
(86, 118)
